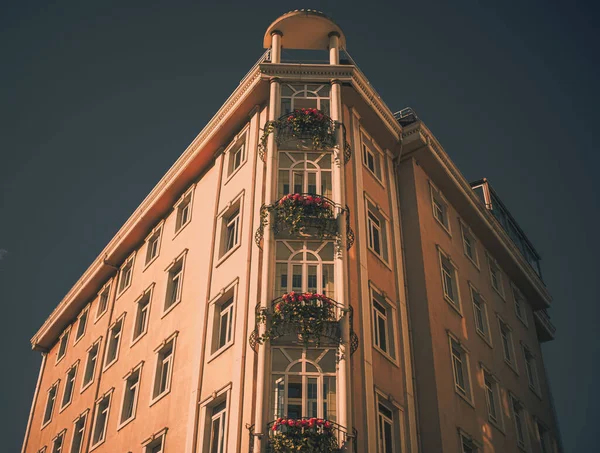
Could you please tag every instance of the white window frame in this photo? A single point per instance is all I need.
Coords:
(159, 438)
(519, 300)
(64, 404)
(302, 168)
(147, 294)
(227, 294)
(63, 345)
(496, 271)
(390, 321)
(126, 388)
(42, 450)
(464, 438)
(396, 423)
(466, 236)
(496, 419)
(82, 416)
(453, 276)
(171, 342)
(155, 237)
(95, 344)
(292, 92)
(512, 361)
(85, 315)
(226, 218)
(102, 439)
(520, 416)
(184, 206)
(105, 290)
(531, 369)
(237, 146)
(465, 393)
(373, 209)
(119, 337)
(370, 149)
(177, 287)
(56, 387)
(217, 398)
(439, 202)
(125, 272)
(486, 334)
(61, 448)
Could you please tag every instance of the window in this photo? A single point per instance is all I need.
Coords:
(57, 443)
(164, 369)
(383, 324)
(299, 96)
(469, 244)
(303, 383)
(78, 433)
(449, 280)
(174, 283)
(492, 397)
(130, 396)
(103, 301)
(460, 366)
(153, 244)
(388, 433)
(82, 323)
(90, 365)
(496, 276)
(467, 444)
(69, 385)
(142, 314)
(157, 444)
(305, 172)
(230, 228)
(372, 160)
(236, 156)
(217, 428)
(507, 343)
(223, 322)
(544, 436)
(531, 367)
(184, 211)
(520, 425)
(440, 207)
(114, 341)
(125, 274)
(520, 305)
(377, 231)
(101, 419)
(50, 401)
(62, 345)
(42, 450)
(480, 314)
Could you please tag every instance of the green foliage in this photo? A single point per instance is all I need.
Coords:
(303, 436)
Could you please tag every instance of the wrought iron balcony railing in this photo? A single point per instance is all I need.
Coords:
(305, 215)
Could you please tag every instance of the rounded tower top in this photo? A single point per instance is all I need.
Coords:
(304, 29)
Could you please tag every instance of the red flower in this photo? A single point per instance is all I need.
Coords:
(327, 425)
(274, 428)
(319, 421)
(291, 423)
(300, 298)
(278, 306)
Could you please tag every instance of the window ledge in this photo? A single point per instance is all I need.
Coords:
(77, 340)
(46, 423)
(464, 398)
(182, 227)
(147, 265)
(446, 229)
(156, 399)
(536, 392)
(512, 366)
(386, 355)
(385, 263)
(374, 176)
(170, 309)
(475, 263)
(235, 172)
(484, 338)
(125, 423)
(100, 315)
(497, 425)
(228, 254)
(219, 351)
(84, 388)
(138, 338)
(108, 365)
(62, 408)
(453, 305)
(93, 447)
(497, 291)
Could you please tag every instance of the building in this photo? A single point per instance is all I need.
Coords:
(319, 275)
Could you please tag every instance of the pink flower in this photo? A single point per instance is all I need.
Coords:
(300, 298)
(274, 428)
(327, 425)
(291, 423)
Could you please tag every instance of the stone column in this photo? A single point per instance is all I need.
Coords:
(276, 46)
(334, 48)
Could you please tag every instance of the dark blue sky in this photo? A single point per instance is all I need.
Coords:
(100, 98)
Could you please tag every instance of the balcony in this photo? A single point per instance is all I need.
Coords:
(544, 326)
(306, 216)
(309, 319)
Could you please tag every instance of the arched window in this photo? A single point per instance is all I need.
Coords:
(303, 383)
(304, 96)
(305, 172)
(304, 266)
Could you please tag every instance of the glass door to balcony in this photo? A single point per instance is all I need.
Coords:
(305, 172)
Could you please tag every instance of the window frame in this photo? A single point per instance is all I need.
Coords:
(63, 404)
(148, 293)
(85, 314)
(169, 305)
(239, 143)
(120, 320)
(150, 442)
(520, 416)
(543, 438)
(155, 234)
(106, 289)
(63, 341)
(55, 386)
(498, 419)
(531, 370)
(228, 293)
(519, 299)
(128, 265)
(224, 218)
(466, 232)
(397, 422)
(390, 320)
(96, 444)
(371, 149)
(85, 385)
(437, 198)
(456, 305)
(185, 201)
(510, 340)
(136, 397)
(158, 369)
(496, 270)
(82, 416)
(61, 435)
(465, 393)
(467, 439)
(487, 335)
(374, 209)
(217, 398)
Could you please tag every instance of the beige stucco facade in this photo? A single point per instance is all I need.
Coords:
(172, 307)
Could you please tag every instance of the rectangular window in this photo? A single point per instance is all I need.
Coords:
(225, 324)
(232, 231)
(78, 433)
(236, 158)
(372, 160)
(174, 283)
(520, 425)
(460, 366)
(62, 345)
(164, 369)
(467, 445)
(130, 396)
(440, 207)
(520, 305)
(90, 365)
(480, 314)
(58, 442)
(377, 231)
(125, 274)
(383, 324)
(142, 314)
(531, 367)
(114, 341)
(81, 324)
(101, 420)
(218, 414)
(469, 244)
(388, 436)
(230, 228)
(496, 277)
(507, 343)
(69, 385)
(153, 244)
(184, 211)
(156, 446)
(492, 397)
(102, 301)
(449, 280)
(50, 402)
